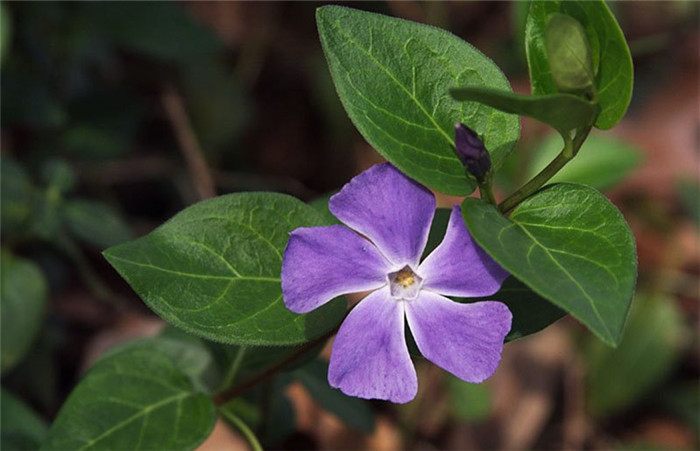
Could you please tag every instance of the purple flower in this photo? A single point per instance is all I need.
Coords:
(389, 218)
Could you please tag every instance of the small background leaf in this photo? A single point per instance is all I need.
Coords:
(17, 198)
(21, 428)
(616, 378)
(95, 223)
(469, 402)
(354, 412)
(601, 162)
(134, 26)
(24, 290)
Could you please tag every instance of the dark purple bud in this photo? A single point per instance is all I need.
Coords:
(471, 151)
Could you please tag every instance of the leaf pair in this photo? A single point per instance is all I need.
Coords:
(576, 80)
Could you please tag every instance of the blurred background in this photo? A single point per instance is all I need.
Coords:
(115, 116)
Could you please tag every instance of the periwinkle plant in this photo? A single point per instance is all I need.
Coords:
(228, 270)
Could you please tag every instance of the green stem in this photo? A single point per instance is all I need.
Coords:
(91, 279)
(569, 151)
(244, 386)
(245, 430)
(486, 191)
(233, 369)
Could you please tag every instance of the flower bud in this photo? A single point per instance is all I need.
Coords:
(471, 152)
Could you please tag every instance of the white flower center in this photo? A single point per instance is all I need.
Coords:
(404, 284)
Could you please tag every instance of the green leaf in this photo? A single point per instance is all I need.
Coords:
(569, 54)
(17, 198)
(190, 356)
(214, 270)
(616, 378)
(683, 402)
(136, 398)
(21, 428)
(95, 223)
(531, 313)
(320, 204)
(5, 31)
(564, 112)
(24, 290)
(354, 412)
(469, 402)
(219, 120)
(393, 78)
(570, 245)
(612, 63)
(57, 173)
(437, 230)
(601, 162)
(280, 421)
(688, 191)
(158, 29)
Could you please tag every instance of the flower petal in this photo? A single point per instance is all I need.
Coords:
(464, 339)
(459, 266)
(370, 358)
(390, 209)
(321, 263)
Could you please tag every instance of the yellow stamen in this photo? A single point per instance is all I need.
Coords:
(405, 277)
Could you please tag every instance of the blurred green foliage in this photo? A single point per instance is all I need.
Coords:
(649, 351)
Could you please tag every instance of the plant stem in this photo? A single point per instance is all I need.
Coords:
(233, 369)
(486, 191)
(245, 430)
(569, 151)
(236, 391)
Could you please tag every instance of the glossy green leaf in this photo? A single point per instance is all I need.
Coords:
(531, 313)
(616, 378)
(570, 245)
(354, 412)
(469, 402)
(393, 78)
(23, 290)
(136, 398)
(601, 162)
(95, 223)
(20, 427)
(612, 63)
(569, 54)
(564, 112)
(214, 270)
